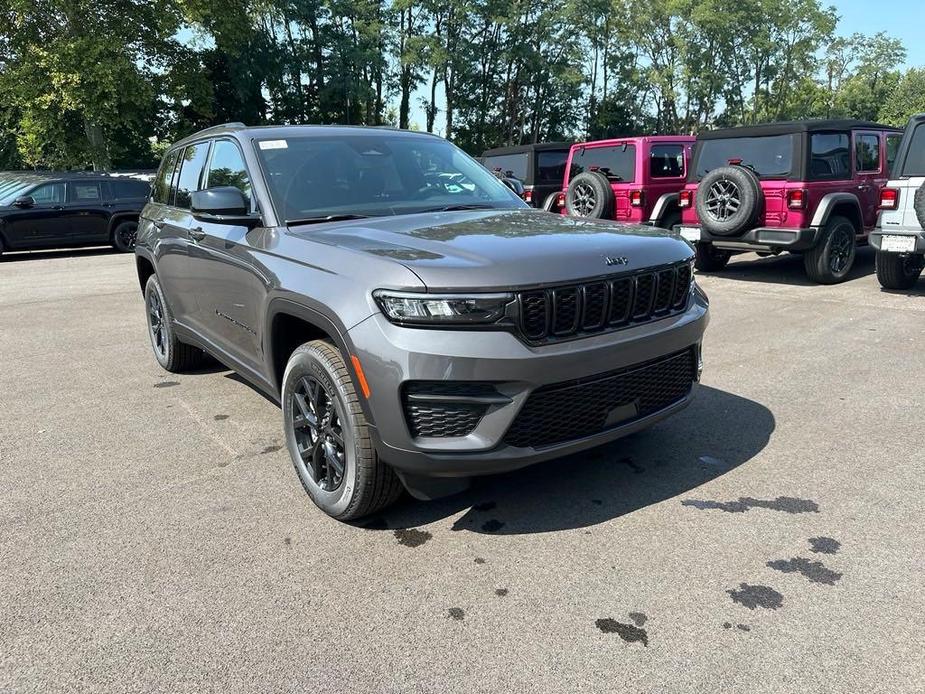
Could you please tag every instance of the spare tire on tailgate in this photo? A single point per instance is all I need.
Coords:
(918, 204)
(590, 195)
(728, 200)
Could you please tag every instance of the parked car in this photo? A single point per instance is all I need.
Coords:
(634, 179)
(810, 187)
(417, 321)
(900, 236)
(58, 210)
(538, 167)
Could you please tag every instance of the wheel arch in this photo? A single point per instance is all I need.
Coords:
(841, 204)
(120, 217)
(665, 205)
(145, 268)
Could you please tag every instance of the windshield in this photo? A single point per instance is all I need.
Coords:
(10, 190)
(617, 162)
(375, 174)
(769, 157)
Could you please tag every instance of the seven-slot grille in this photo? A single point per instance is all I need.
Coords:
(572, 410)
(563, 312)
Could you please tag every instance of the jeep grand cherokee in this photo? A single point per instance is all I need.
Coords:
(418, 322)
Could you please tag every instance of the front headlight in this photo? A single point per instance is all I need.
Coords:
(442, 309)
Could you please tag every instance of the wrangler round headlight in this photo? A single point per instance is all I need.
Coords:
(442, 309)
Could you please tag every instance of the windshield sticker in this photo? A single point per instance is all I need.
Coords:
(273, 144)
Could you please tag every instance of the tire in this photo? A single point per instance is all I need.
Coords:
(172, 354)
(670, 221)
(590, 195)
(356, 482)
(728, 200)
(831, 259)
(918, 204)
(123, 236)
(709, 258)
(896, 271)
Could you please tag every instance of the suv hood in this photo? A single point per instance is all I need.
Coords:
(501, 249)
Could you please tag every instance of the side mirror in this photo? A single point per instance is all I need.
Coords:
(222, 205)
(24, 201)
(515, 185)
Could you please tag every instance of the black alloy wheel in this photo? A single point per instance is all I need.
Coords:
(124, 236)
(840, 251)
(585, 199)
(723, 200)
(316, 423)
(157, 325)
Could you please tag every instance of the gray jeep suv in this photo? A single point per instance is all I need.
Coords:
(418, 323)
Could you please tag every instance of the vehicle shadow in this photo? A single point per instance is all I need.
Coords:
(718, 432)
(786, 268)
(20, 256)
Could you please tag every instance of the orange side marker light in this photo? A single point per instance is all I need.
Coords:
(361, 377)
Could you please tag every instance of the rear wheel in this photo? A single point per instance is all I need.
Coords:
(123, 236)
(172, 354)
(328, 437)
(709, 258)
(832, 258)
(896, 271)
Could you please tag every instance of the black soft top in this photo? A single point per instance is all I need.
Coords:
(519, 149)
(793, 126)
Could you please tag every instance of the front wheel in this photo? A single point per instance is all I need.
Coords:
(709, 258)
(832, 258)
(896, 271)
(328, 437)
(123, 236)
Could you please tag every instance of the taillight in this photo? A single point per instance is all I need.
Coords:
(528, 195)
(686, 199)
(560, 200)
(636, 198)
(796, 199)
(889, 199)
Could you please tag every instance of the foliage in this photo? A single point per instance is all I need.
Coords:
(106, 83)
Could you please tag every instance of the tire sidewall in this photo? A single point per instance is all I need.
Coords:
(307, 361)
(154, 286)
(918, 204)
(750, 198)
(603, 195)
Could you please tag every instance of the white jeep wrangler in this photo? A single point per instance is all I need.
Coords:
(900, 234)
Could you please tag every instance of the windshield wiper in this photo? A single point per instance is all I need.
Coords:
(325, 218)
(454, 208)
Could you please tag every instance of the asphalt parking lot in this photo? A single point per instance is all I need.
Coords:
(154, 537)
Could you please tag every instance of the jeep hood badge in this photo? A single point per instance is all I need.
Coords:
(616, 260)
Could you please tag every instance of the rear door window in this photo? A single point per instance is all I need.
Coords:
(162, 182)
(829, 157)
(617, 162)
(666, 161)
(550, 166)
(914, 164)
(191, 165)
(85, 191)
(892, 149)
(49, 194)
(129, 190)
(510, 165)
(867, 153)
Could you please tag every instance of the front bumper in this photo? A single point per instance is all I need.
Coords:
(764, 238)
(392, 355)
(876, 237)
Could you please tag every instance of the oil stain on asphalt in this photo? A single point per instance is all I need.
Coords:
(637, 469)
(166, 384)
(456, 613)
(627, 632)
(639, 618)
(824, 545)
(501, 592)
(270, 449)
(412, 537)
(753, 597)
(815, 571)
(220, 417)
(787, 504)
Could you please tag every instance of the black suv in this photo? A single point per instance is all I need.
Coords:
(418, 322)
(58, 210)
(540, 168)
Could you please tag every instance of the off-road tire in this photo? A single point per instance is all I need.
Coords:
(709, 258)
(895, 271)
(123, 236)
(369, 484)
(818, 260)
(918, 204)
(174, 356)
(748, 196)
(593, 186)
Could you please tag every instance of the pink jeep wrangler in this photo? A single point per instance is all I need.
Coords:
(631, 179)
(809, 187)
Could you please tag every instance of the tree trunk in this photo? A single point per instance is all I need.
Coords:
(99, 148)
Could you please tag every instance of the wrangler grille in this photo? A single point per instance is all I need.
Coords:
(574, 310)
(575, 409)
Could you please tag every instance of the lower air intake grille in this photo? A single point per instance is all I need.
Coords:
(575, 409)
(440, 417)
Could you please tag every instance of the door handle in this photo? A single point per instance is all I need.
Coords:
(197, 234)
